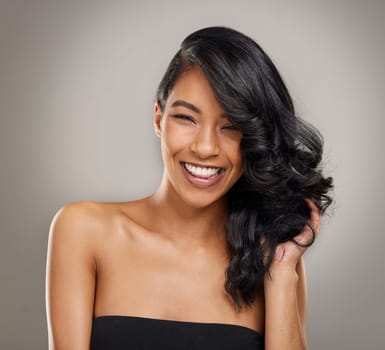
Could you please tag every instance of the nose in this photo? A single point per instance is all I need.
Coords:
(205, 143)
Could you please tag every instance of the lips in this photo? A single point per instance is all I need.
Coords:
(202, 176)
(202, 172)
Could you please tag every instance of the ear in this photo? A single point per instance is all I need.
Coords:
(157, 118)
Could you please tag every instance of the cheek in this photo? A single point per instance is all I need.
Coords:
(174, 138)
(234, 153)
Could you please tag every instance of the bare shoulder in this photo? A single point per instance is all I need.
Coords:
(95, 225)
(77, 219)
(86, 215)
(84, 238)
(71, 271)
(81, 224)
(75, 211)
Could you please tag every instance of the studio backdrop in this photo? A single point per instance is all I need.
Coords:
(77, 87)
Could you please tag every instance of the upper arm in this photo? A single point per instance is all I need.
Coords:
(70, 278)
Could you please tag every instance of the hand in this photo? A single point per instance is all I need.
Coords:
(289, 253)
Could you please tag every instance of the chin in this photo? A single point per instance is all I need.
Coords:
(201, 201)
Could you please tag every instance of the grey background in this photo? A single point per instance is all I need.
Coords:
(77, 81)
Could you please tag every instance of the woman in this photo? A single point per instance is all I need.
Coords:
(213, 258)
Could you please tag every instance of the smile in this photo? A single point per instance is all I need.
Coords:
(202, 176)
(202, 172)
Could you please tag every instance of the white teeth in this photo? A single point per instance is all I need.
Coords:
(202, 172)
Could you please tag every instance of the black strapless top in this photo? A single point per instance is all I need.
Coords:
(142, 333)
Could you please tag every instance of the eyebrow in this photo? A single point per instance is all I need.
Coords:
(190, 106)
(187, 105)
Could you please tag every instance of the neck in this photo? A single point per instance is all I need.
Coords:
(185, 224)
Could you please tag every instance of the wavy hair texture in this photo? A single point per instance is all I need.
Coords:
(281, 153)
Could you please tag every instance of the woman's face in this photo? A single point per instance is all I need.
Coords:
(200, 147)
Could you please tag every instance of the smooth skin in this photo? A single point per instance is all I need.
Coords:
(164, 256)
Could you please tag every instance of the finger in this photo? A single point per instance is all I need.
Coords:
(315, 215)
(279, 253)
(307, 236)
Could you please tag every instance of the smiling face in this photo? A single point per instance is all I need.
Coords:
(200, 147)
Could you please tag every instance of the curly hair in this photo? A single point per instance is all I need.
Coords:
(281, 153)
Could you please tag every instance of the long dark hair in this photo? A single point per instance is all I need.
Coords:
(281, 153)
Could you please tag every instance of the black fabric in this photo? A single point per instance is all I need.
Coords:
(141, 333)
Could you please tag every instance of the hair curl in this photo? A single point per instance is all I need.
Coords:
(281, 153)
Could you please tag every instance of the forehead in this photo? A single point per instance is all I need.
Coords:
(193, 87)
